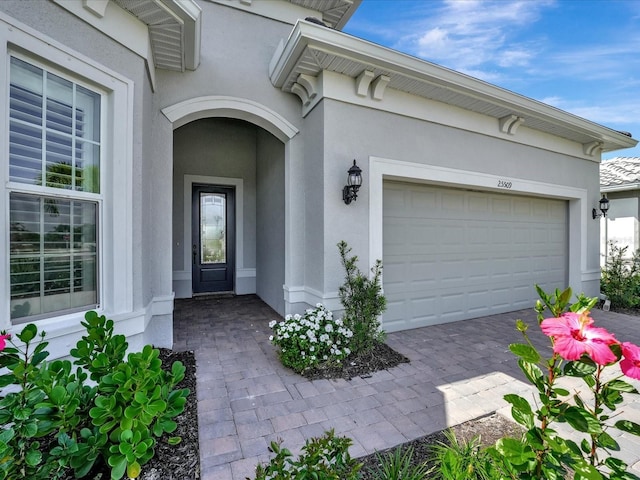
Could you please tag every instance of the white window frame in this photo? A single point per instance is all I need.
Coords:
(115, 220)
(73, 195)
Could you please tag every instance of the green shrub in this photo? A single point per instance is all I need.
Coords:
(362, 300)
(583, 351)
(54, 422)
(399, 466)
(308, 340)
(620, 280)
(455, 460)
(323, 458)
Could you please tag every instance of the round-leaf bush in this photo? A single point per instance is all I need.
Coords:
(308, 340)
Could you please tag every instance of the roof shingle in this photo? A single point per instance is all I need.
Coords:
(620, 172)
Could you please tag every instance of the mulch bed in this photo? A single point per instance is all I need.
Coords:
(380, 357)
(171, 462)
(182, 461)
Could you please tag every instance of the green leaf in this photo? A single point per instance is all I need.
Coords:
(174, 440)
(621, 386)
(38, 358)
(604, 440)
(580, 368)
(582, 420)
(22, 413)
(521, 410)
(526, 352)
(628, 426)
(564, 297)
(28, 333)
(58, 394)
(515, 451)
(118, 464)
(587, 471)
(533, 373)
(561, 391)
(7, 379)
(33, 457)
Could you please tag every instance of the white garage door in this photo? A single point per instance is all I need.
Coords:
(452, 254)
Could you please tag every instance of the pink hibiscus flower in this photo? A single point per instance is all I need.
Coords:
(574, 335)
(630, 364)
(3, 341)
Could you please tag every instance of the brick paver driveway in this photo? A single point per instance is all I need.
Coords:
(246, 398)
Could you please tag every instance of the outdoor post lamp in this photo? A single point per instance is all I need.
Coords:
(354, 180)
(604, 206)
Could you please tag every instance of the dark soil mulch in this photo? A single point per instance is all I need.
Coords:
(380, 357)
(182, 461)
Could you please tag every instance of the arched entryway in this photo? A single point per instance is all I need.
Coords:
(229, 212)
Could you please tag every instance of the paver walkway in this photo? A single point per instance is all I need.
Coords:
(246, 398)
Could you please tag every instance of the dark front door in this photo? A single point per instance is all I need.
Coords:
(213, 238)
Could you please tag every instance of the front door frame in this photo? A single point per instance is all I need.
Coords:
(215, 282)
(238, 184)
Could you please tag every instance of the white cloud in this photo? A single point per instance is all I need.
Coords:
(468, 34)
(613, 112)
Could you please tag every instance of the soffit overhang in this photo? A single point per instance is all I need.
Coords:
(312, 49)
(174, 30)
(335, 13)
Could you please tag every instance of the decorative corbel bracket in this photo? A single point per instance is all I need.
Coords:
(510, 124)
(379, 85)
(306, 88)
(593, 148)
(97, 7)
(362, 83)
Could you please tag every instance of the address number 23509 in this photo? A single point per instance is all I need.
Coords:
(504, 184)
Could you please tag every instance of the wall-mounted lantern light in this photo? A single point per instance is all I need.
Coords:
(604, 207)
(354, 180)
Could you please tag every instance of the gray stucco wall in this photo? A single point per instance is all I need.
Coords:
(315, 212)
(233, 62)
(270, 248)
(356, 132)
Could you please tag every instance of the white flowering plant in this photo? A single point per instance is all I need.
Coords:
(308, 340)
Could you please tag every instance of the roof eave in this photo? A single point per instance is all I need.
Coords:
(620, 188)
(305, 34)
(348, 14)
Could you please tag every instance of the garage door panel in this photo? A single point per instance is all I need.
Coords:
(453, 254)
(420, 199)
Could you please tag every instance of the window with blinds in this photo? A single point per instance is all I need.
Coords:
(54, 181)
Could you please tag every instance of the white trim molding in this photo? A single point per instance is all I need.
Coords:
(187, 111)
(382, 169)
(311, 297)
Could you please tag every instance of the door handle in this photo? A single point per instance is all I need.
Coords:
(195, 251)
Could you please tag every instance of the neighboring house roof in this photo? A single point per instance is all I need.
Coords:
(620, 173)
(312, 49)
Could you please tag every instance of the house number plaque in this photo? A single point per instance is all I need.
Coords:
(504, 184)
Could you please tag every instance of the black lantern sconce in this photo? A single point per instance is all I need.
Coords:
(354, 180)
(604, 207)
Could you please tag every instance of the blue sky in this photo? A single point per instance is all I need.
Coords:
(582, 56)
